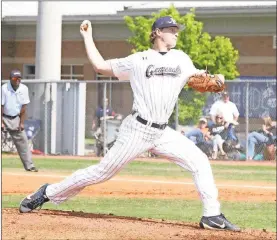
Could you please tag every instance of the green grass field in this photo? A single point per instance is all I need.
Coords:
(90, 141)
(245, 214)
(140, 168)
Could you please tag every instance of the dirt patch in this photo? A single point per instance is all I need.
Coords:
(141, 187)
(49, 224)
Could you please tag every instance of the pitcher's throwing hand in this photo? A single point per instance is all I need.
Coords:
(85, 28)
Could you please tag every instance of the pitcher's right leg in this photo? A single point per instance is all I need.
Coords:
(180, 150)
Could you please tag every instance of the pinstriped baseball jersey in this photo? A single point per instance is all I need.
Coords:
(156, 80)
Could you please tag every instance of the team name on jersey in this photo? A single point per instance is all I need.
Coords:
(162, 71)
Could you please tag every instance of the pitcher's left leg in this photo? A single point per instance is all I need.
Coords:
(180, 150)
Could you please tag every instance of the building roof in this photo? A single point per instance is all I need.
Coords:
(207, 12)
(212, 4)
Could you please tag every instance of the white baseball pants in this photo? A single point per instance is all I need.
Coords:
(134, 139)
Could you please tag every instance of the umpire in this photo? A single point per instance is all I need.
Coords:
(15, 97)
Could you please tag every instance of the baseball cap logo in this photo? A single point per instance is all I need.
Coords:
(15, 73)
(165, 22)
(171, 20)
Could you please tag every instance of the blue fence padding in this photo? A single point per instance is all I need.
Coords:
(262, 98)
(256, 78)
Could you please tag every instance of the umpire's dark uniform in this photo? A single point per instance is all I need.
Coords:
(15, 97)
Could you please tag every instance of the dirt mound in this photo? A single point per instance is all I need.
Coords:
(49, 224)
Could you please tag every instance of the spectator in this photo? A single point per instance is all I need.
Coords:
(200, 133)
(262, 136)
(229, 112)
(201, 137)
(218, 132)
(15, 97)
(100, 110)
(100, 113)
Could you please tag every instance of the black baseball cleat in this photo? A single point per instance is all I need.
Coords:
(218, 223)
(32, 169)
(35, 200)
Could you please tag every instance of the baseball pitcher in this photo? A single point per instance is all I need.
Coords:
(156, 76)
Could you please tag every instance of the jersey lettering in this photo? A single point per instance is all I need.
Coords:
(174, 72)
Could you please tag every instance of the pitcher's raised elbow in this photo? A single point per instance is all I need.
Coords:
(100, 68)
(97, 69)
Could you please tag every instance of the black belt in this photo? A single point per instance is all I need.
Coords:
(154, 125)
(10, 117)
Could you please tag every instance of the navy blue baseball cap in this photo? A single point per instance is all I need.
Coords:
(165, 22)
(15, 73)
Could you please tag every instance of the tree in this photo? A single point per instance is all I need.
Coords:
(217, 54)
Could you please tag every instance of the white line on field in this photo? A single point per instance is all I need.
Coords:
(141, 180)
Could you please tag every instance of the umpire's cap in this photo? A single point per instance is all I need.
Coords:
(15, 73)
(165, 22)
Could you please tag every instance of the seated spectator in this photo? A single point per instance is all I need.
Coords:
(218, 132)
(262, 136)
(201, 137)
(229, 112)
(200, 133)
(100, 113)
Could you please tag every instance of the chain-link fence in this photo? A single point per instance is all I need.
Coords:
(255, 100)
(83, 117)
(53, 125)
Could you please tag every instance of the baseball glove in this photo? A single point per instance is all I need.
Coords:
(207, 83)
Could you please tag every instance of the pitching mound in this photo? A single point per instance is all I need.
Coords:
(49, 224)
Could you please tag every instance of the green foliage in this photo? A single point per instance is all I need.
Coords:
(216, 53)
(190, 104)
